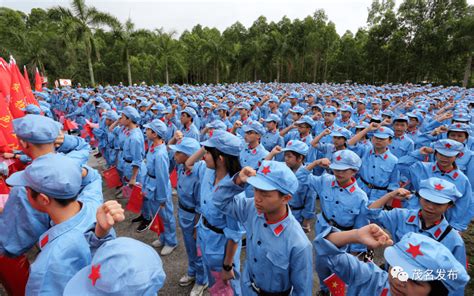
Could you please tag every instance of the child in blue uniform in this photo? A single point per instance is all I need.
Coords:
(219, 235)
(279, 257)
(436, 196)
(188, 212)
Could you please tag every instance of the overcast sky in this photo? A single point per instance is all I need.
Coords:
(180, 15)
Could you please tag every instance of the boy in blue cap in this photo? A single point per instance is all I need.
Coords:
(133, 147)
(188, 127)
(157, 187)
(188, 212)
(254, 153)
(444, 166)
(303, 132)
(418, 264)
(401, 144)
(272, 137)
(279, 255)
(343, 203)
(378, 172)
(330, 114)
(436, 196)
(65, 248)
(218, 235)
(302, 202)
(123, 266)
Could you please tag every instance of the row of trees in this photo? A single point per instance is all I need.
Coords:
(424, 40)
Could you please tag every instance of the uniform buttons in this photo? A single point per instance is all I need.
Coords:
(259, 243)
(340, 190)
(254, 259)
(333, 216)
(204, 201)
(265, 225)
(337, 202)
(373, 166)
(372, 177)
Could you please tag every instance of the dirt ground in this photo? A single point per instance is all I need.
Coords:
(175, 265)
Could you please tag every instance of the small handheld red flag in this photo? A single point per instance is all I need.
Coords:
(157, 225)
(112, 178)
(135, 202)
(335, 285)
(38, 81)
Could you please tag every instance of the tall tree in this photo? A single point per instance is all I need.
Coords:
(83, 20)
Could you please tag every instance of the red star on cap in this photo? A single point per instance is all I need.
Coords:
(289, 143)
(458, 125)
(381, 129)
(447, 145)
(95, 274)
(338, 158)
(266, 170)
(438, 187)
(414, 250)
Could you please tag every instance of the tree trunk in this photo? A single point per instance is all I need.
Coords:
(316, 65)
(91, 69)
(129, 69)
(467, 71)
(167, 74)
(278, 71)
(254, 74)
(217, 73)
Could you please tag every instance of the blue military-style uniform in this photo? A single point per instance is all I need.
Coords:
(279, 256)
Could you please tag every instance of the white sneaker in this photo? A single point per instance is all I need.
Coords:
(157, 243)
(167, 250)
(198, 290)
(186, 280)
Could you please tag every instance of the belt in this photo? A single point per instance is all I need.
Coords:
(211, 227)
(127, 161)
(334, 223)
(151, 176)
(261, 292)
(296, 208)
(186, 209)
(372, 186)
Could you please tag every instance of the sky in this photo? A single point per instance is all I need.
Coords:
(180, 15)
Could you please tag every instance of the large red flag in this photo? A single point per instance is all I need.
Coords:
(38, 81)
(8, 139)
(17, 96)
(5, 79)
(25, 74)
(25, 85)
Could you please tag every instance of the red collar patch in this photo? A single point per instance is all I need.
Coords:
(44, 241)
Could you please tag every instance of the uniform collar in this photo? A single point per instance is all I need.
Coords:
(59, 229)
(280, 226)
(454, 173)
(435, 231)
(384, 155)
(351, 188)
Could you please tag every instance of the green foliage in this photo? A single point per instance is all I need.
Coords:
(422, 40)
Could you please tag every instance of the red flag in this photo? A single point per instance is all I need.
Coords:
(14, 274)
(17, 96)
(112, 178)
(136, 200)
(25, 74)
(8, 140)
(157, 225)
(335, 285)
(174, 178)
(5, 79)
(38, 81)
(26, 86)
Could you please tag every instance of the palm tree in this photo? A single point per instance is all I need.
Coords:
(169, 52)
(82, 21)
(217, 55)
(127, 34)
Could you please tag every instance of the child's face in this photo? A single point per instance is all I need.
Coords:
(304, 128)
(461, 137)
(271, 125)
(431, 210)
(251, 137)
(329, 117)
(180, 157)
(269, 201)
(338, 141)
(408, 288)
(344, 176)
(150, 134)
(400, 126)
(381, 143)
(412, 122)
(443, 160)
(292, 161)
